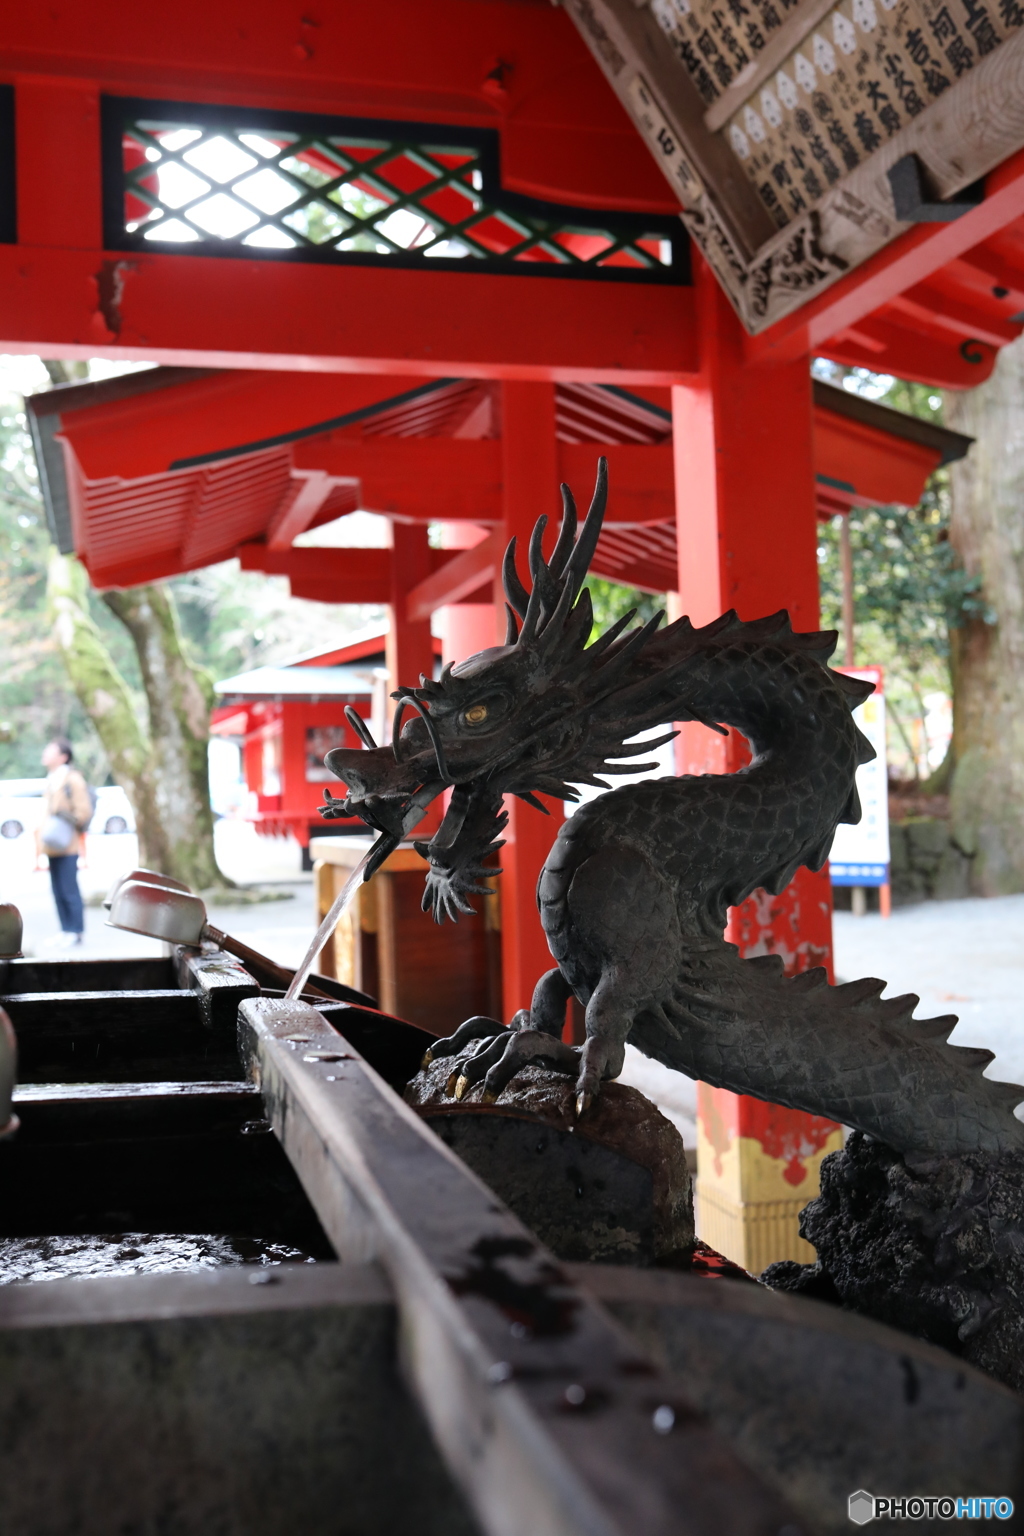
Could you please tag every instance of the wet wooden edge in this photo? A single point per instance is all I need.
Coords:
(542, 1406)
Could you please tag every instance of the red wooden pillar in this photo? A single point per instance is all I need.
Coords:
(748, 540)
(409, 648)
(530, 475)
(464, 628)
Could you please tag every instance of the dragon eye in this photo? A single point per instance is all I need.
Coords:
(476, 714)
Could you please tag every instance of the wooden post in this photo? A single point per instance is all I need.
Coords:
(465, 628)
(743, 440)
(530, 488)
(408, 647)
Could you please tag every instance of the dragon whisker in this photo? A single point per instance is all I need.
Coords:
(360, 727)
(435, 740)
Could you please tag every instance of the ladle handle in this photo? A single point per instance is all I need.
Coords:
(281, 974)
(324, 986)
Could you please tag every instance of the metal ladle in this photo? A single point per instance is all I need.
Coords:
(10, 931)
(150, 877)
(9, 1121)
(10, 949)
(178, 916)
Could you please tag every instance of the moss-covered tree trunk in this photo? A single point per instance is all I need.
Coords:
(180, 697)
(106, 699)
(163, 770)
(987, 531)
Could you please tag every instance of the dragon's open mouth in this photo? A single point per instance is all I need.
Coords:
(389, 788)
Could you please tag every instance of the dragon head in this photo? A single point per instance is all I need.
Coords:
(520, 718)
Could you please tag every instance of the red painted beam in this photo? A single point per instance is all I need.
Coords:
(931, 308)
(564, 134)
(907, 260)
(529, 481)
(217, 312)
(450, 479)
(210, 414)
(647, 575)
(459, 578)
(328, 575)
(992, 270)
(910, 352)
(879, 468)
(311, 491)
(427, 479)
(641, 480)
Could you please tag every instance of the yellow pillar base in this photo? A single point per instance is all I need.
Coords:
(758, 1165)
(753, 1233)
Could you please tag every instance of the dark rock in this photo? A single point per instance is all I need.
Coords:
(927, 839)
(925, 862)
(611, 1187)
(899, 853)
(953, 876)
(934, 1247)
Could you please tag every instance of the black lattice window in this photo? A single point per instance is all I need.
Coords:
(212, 179)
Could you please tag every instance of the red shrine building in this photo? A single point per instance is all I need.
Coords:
(432, 260)
(287, 718)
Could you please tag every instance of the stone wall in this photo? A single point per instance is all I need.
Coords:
(925, 862)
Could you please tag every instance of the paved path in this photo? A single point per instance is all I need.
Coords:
(280, 929)
(962, 957)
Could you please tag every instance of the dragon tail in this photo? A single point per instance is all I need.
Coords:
(839, 1051)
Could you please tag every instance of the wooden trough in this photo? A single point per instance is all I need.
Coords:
(373, 1342)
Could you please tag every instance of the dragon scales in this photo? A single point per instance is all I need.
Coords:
(635, 891)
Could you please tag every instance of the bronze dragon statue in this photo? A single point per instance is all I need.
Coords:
(634, 894)
(920, 1221)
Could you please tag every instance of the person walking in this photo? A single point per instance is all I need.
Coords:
(68, 811)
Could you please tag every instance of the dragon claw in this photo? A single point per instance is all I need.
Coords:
(488, 1096)
(583, 1103)
(462, 1087)
(428, 1056)
(450, 1085)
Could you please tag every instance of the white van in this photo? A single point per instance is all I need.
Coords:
(21, 809)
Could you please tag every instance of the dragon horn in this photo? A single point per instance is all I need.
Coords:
(545, 587)
(566, 534)
(579, 561)
(514, 589)
(535, 611)
(537, 565)
(511, 625)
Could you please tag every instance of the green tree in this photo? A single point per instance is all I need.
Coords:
(611, 600)
(159, 757)
(127, 676)
(912, 595)
(34, 694)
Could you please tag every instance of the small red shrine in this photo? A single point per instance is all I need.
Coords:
(287, 718)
